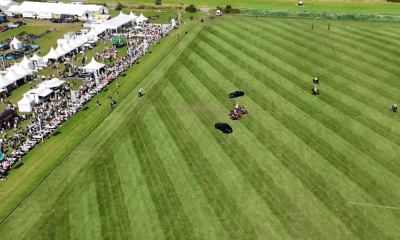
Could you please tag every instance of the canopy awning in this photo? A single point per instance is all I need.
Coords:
(4, 82)
(93, 66)
(13, 76)
(45, 93)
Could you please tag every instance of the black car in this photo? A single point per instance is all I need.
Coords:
(56, 20)
(236, 94)
(20, 23)
(4, 47)
(68, 20)
(224, 127)
(72, 74)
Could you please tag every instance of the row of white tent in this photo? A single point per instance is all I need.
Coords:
(34, 96)
(80, 40)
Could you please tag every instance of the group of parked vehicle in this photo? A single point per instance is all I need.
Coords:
(12, 25)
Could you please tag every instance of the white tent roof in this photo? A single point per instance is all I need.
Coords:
(117, 22)
(82, 39)
(18, 68)
(93, 32)
(25, 62)
(55, 82)
(13, 76)
(74, 43)
(15, 41)
(67, 48)
(26, 100)
(141, 18)
(60, 50)
(36, 58)
(121, 13)
(59, 8)
(93, 65)
(45, 92)
(4, 82)
(52, 55)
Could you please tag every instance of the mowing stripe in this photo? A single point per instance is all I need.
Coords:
(90, 131)
(172, 217)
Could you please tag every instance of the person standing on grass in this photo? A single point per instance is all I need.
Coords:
(347, 28)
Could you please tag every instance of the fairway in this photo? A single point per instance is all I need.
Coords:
(298, 166)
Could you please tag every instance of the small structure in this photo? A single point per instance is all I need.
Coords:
(13, 76)
(5, 5)
(52, 55)
(69, 35)
(15, 43)
(5, 82)
(26, 63)
(37, 60)
(141, 19)
(219, 12)
(26, 104)
(300, 3)
(52, 84)
(38, 94)
(93, 66)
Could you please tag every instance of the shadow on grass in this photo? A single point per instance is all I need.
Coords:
(105, 90)
(56, 133)
(85, 108)
(18, 165)
(137, 62)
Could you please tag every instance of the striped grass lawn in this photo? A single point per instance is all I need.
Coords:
(156, 168)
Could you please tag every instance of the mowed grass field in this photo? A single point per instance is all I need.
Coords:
(293, 168)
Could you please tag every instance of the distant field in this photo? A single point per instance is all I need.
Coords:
(292, 168)
(353, 6)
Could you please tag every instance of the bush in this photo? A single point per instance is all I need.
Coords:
(181, 3)
(141, 7)
(228, 7)
(105, 4)
(191, 8)
(158, 2)
(219, 8)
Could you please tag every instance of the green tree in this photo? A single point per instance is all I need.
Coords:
(191, 8)
(158, 2)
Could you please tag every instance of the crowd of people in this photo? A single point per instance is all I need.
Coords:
(50, 114)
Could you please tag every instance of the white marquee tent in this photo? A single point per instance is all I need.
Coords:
(61, 50)
(5, 82)
(25, 104)
(26, 63)
(73, 43)
(117, 22)
(52, 55)
(5, 5)
(93, 66)
(39, 60)
(141, 19)
(16, 44)
(38, 93)
(13, 76)
(53, 83)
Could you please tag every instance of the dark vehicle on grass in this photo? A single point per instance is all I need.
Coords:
(72, 74)
(223, 127)
(20, 23)
(4, 47)
(3, 18)
(56, 20)
(236, 94)
(32, 47)
(13, 55)
(68, 20)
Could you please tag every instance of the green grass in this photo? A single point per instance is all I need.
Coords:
(377, 6)
(156, 168)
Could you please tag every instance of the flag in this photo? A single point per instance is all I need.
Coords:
(1, 156)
